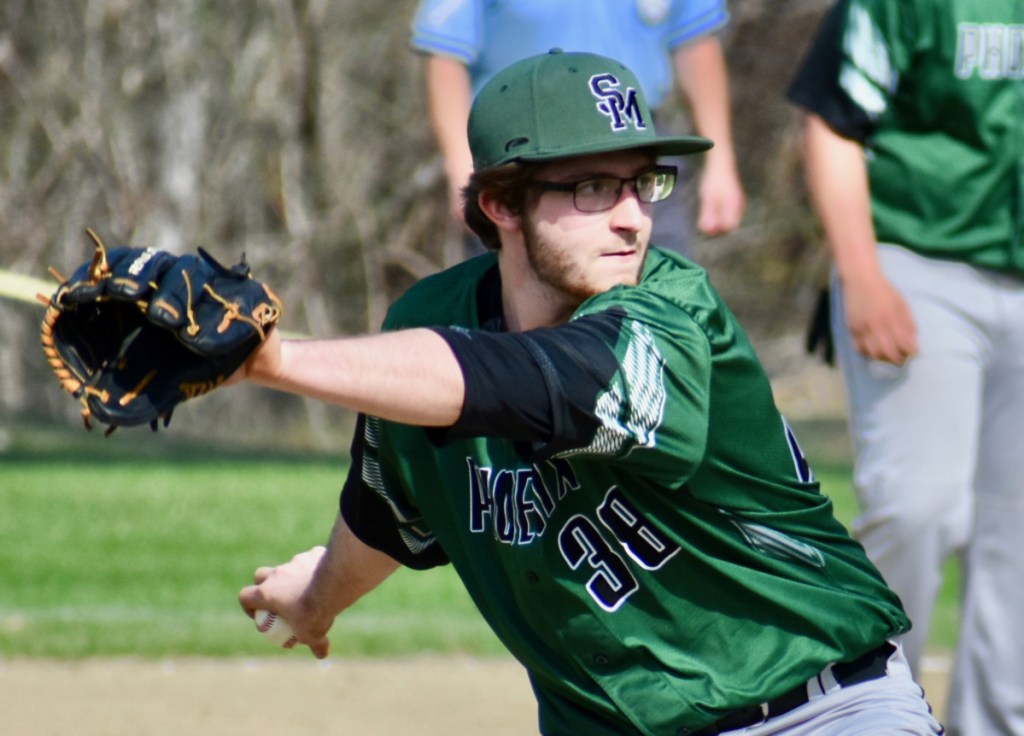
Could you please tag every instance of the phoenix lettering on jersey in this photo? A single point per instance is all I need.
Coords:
(990, 50)
(515, 503)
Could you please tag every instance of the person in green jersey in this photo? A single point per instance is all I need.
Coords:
(915, 163)
(579, 426)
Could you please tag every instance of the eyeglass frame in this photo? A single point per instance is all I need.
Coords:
(573, 186)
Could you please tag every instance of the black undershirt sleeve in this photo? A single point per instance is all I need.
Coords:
(816, 87)
(371, 518)
(537, 388)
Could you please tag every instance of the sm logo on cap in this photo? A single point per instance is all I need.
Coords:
(622, 106)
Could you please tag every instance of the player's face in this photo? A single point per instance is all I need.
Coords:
(580, 254)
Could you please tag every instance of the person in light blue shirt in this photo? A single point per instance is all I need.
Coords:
(672, 46)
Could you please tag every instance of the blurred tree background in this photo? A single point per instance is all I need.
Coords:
(295, 131)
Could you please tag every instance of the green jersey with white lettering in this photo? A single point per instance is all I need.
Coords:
(655, 555)
(935, 92)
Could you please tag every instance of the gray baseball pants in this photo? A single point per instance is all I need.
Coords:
(889, 706)
(939, 451)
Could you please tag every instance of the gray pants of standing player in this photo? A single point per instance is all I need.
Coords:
(939, 444)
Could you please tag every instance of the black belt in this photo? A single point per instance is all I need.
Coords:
(867, 667)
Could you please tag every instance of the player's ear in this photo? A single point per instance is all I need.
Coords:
(498, 212)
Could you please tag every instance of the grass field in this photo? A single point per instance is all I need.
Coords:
(106, 549)
(135, 545)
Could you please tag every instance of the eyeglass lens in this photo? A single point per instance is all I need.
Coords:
(596, 195)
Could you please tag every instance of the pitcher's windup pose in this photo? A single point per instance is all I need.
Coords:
(581, 428)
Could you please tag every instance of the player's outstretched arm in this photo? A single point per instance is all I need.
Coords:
(409, 376)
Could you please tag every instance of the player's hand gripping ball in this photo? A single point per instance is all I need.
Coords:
(275, 628)
(134, 331)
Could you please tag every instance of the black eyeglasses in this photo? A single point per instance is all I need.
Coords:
(601, 194)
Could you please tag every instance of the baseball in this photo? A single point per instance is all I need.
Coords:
(275, 628)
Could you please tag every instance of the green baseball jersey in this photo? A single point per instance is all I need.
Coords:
(653, 547)
(935, 90)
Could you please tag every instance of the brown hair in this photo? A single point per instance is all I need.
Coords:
(506, 184)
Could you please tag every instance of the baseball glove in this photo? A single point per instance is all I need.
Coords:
(134, 332)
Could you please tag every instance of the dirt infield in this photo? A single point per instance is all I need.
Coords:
(429, 696)
(300, 697)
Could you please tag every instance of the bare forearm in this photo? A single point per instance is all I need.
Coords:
(877, 316)
(704, 82)
(409, 376)
(348, 570)
(448, 99)
(315, 586)
(837, 179)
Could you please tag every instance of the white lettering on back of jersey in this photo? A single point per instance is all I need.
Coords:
(990, 50)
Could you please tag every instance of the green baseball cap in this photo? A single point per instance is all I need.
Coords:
(561, 104)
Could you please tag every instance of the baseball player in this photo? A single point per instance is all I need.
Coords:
(915, 162)
(671, 45)
(580, 427)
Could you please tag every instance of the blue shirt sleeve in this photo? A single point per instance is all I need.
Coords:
(693, 19)
(449, 28)
(488, 35)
